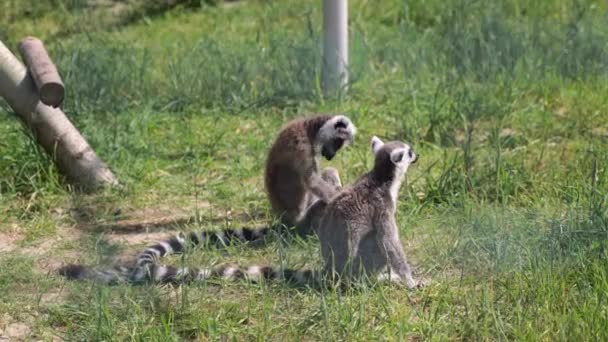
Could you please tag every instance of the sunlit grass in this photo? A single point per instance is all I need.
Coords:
(504, 215)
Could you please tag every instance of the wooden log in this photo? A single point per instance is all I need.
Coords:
(51, 128)
(43, 71)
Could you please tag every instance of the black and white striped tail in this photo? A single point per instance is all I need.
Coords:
(154, 273)
(110, 275)
(178, 243)
(148, 269)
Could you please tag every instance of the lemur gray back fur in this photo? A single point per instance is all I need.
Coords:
(358, 233)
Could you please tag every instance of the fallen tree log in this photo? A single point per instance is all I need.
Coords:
(43, 71)
(73, 156)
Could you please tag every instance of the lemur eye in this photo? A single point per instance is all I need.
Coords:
(410, 154)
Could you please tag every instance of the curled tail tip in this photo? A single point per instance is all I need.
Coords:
(72, 271)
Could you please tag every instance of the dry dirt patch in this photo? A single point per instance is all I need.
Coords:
(8, 241)
(46, 252)
(138, 229)
(15, 332)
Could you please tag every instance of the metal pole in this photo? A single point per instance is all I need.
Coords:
(335, 45)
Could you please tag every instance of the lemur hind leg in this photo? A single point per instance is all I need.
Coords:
(312, 217)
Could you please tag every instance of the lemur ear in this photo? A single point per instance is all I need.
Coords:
(397, 155)
(376, 144)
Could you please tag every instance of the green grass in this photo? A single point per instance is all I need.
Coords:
(505, 214)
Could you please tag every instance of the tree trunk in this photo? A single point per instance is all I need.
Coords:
(53, 131)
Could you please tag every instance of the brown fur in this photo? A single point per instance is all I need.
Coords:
(292, 178)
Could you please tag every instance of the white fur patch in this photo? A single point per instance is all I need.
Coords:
(328, 129)
(401, 167)
(160, 273)
(203, 274)
(389, 276)
(383, 276)
(254, 272)
(394, 189)
(229, 272)
(144, 259)
(181, 272)
(167, 246)
(153, 250)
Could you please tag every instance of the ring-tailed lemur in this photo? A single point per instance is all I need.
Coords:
(357, 232)
(293, 181)
(292, 178)
(296, 188)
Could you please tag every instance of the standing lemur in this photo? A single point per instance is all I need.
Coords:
(358, 235)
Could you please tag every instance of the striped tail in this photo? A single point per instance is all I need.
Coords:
(255, 273)
(154, 273)
(147, 268)
(178, 243)
(110, 275)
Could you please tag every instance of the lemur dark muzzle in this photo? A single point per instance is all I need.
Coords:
(327, 153)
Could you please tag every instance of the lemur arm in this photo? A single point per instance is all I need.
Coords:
(389, 241)
(319, 187)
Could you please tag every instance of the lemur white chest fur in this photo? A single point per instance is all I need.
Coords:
(394, 191)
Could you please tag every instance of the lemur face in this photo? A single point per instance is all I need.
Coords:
(404, 156)
(336, 133)
(401, 155)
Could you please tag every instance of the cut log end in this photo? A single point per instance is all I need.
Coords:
(52, 94)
